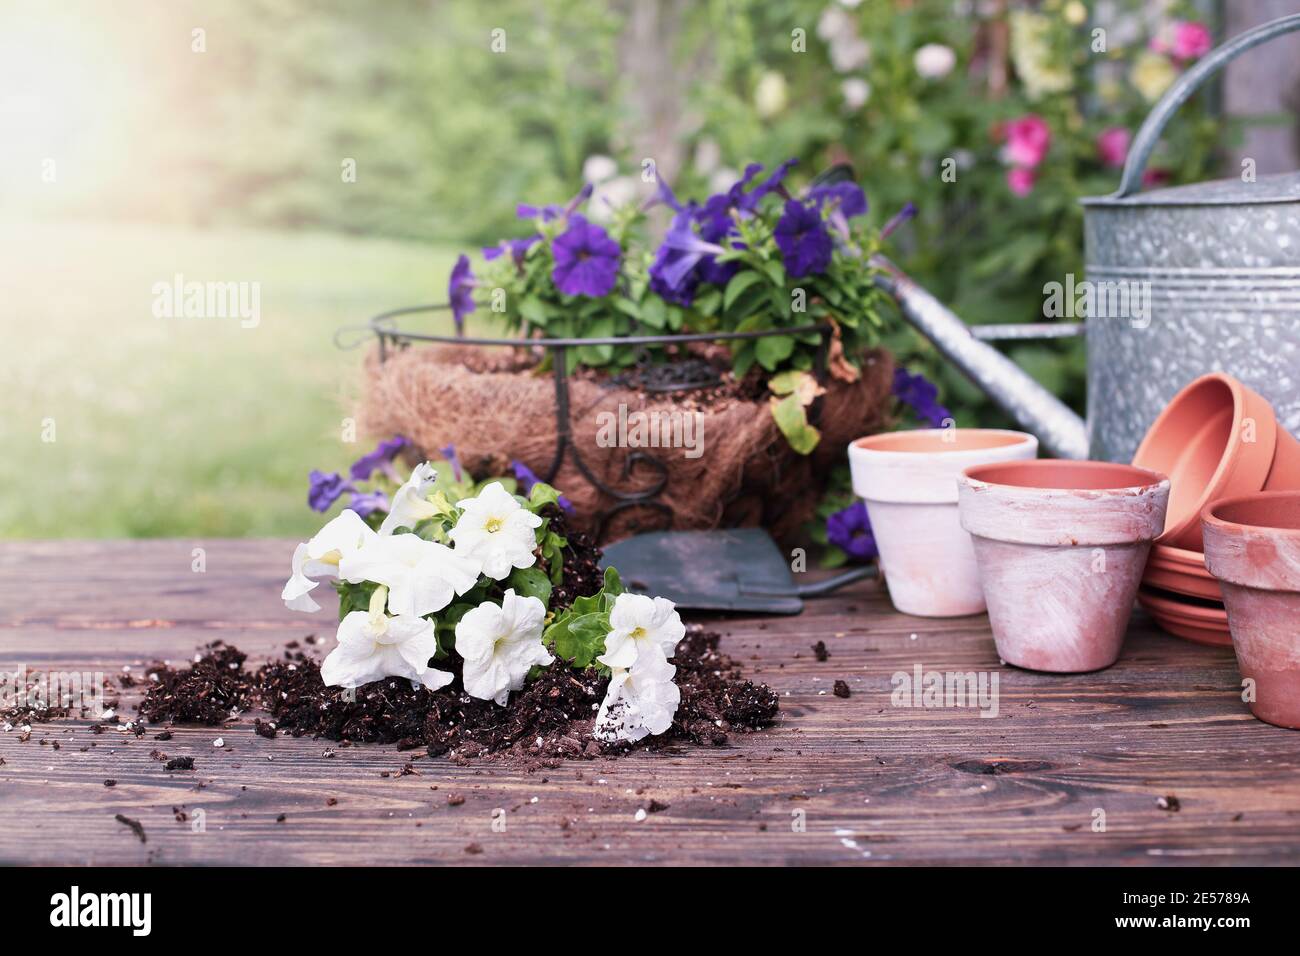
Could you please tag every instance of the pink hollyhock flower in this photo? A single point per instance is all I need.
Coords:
(1156, 177)
(1028, 139)
(1021, 180)
(1191, 40)
(1112, 146)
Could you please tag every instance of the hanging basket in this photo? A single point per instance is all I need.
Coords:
(678, 446)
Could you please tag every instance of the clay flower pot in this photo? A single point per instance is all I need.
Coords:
(909, 482)
(1252, 545)
(1061, 546)
(1216, 439)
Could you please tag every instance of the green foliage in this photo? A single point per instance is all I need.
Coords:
(578, 632)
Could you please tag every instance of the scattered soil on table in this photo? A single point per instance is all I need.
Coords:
(582, 574)
(841, 689)
(210, 691)
(820, 652)
(135, 825)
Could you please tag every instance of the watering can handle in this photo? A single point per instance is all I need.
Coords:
(1187, 84)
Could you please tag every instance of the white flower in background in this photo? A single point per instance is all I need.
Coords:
(771, 95)
(856, 91)
(611, 195)
(852, 53)
(722, 179)
(1152, 74)
(496, 531)
(934, 61)
(1037, 64)
(421, 576)
(641, 629)
(835, 24)
(410, 503)
(597, 169)
(341, 536)
(851, 4)
(373, 646)
(500, 643)
(639, 702)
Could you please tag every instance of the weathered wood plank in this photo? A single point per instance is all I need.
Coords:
(872, 783)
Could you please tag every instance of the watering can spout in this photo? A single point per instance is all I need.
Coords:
(1061, 432)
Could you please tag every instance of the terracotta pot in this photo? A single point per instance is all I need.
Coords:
(909, 482)
(1061, 547)
(1216, 438)
(1182, 572)
(1204, 623)
(1252, 545)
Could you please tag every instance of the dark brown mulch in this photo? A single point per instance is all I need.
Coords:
(210, 691)
(582, 574)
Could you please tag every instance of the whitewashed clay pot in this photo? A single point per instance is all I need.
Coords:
(1061, 547)
(1252, 545)
(908, 480)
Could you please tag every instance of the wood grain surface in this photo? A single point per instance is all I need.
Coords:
(837, 781)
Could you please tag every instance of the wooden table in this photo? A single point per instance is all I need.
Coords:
(837, 781)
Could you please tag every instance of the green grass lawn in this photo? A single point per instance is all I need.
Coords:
(176, 426)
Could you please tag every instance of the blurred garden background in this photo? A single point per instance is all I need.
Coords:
(341, 155)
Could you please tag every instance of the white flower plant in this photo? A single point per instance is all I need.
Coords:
(470, 565)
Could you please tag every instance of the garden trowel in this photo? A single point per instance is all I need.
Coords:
(740, 569)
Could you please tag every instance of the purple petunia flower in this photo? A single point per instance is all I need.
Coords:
(848, 197)
(673, 275)
(527, 478)
(518, 248)
(366, 503)
(460, 292)
(921, 395)
(551, 212)
(803, 240)
(323, 490)
(381, 458)
(586, 259)
(449, 455)
(850, 530)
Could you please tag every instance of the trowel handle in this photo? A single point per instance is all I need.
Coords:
(1187, 84)
(837, 582)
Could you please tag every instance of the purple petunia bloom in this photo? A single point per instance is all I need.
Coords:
(848, 197)
(850, 530)
(323, 490)
(449, 455)
(803, 240)
(518, 248)
(586, 259)
(552, 212)
(921, 395)
(366, 503)
(527, 478)
(673, 275)
(460, 292)
(381, 458)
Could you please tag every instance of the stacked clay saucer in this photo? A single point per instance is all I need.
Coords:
(1216, 439)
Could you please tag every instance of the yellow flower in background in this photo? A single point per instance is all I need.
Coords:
(771, 95)
(1076, 14)
(1152, 74)
(1041, 69)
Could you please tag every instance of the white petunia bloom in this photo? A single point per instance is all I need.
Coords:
(497, 531)
(410, 502)
(641, 629)
(421, 576)
(639, 702)
(373, 646)
(341, 536)
(500, 643)
(934, 61)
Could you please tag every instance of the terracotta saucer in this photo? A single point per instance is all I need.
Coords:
(1182, 581)
(1188, 618)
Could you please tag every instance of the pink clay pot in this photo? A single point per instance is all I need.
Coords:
(909, 482)
(1061, 546)
(1252, 545)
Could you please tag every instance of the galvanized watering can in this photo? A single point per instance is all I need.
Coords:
(1188, 280)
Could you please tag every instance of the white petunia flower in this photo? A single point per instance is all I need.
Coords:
(934, 61)
(499, 644)
(641, 629)
(497, 531)
(421, 576)
(639, 702)
(410, 503)
(856, 91)
(341, 536)
(373, 646)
